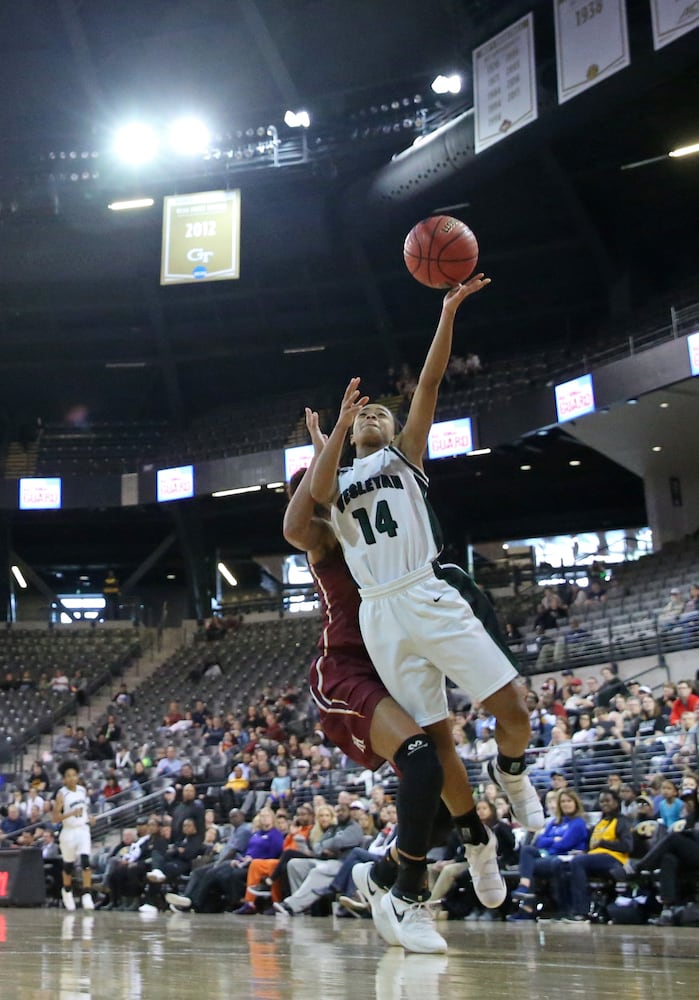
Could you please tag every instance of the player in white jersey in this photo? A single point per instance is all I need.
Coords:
(71, 809)
(417, 625)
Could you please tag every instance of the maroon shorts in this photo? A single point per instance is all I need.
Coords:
(347, 690)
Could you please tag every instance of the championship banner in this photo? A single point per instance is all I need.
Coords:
(672, 18)
(201, 237)
(592, 43)
(504, 83)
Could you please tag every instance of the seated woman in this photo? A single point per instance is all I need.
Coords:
(611, 842)
(564, 834)
(676, 855)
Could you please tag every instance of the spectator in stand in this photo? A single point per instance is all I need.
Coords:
(38, 778)
(64, 743)
(611, 685)
(689, 619)
(569, 644)
(124, 698)
(179, 856)
(670, 807)
(190, 807)
(172, 716)
(575, 701)
(593, 687)
(610, 847)
(100, 748)
(60, 684)
(550, 703)
(686, 702)
(584, 730)
(12, 823)
(564, 834)
(557, 757)
(81, 744)
(170, 765)
(667, 700)
(675, 855)
(111, 729)
(596, 594)
(541, 721)
(670, 613)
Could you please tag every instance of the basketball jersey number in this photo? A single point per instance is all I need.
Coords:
(383, 522)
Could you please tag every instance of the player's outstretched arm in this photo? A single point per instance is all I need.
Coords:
(324, 479)
(412, 440)
(302, 528)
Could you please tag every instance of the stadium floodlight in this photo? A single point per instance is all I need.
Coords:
(447, 84)
(125, 206)
(136, 143)
(19, 577)
(685, 150)
(227, 575)
(297, 119)
(189, 136)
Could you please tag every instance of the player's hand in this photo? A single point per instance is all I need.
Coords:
(318, 439)
(352, 402)
(455, 296)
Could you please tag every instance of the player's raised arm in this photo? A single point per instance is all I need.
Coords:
(412, 440)
(302, 527)
(324, 478)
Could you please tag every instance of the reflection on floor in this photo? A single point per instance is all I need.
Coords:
(48, 954)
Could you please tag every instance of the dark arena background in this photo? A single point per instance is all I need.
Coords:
(329, 120)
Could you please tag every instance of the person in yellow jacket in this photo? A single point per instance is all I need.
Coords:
(610, 847)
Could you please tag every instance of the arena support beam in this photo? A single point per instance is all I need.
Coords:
(32, 577)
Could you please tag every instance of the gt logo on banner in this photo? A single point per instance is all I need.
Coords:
(201, 237)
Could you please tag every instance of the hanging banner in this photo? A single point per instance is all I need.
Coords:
(504, 83)
(592, 43)
(672, 18)
(201, 237)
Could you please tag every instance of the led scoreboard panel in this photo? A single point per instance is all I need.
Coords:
(22, 881)
(201, 237)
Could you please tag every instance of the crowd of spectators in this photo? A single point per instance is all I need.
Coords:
(310, 815)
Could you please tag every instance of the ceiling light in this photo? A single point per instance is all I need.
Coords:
(664, 406)
(125, 206)
(189, 136)
(525, 468)
(575, 462)
(297, 119)
(304, 350)
(236, 492)
(136, 143)
(227, 575)
(480, 451)
(685, 150)
(275, 486)
(447, 84)
(19, 577)
(656, 447)
(170, 576)
(631, 402)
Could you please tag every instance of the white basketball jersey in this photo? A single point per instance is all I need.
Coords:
(382, 518)
(71, 800)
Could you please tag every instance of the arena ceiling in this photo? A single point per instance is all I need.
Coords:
(574, 243)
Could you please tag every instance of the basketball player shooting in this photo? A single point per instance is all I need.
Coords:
(421, 621)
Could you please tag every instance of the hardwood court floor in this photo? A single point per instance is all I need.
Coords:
(46, 954)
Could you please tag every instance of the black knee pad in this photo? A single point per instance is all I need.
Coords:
(69, 867)
(84, 861)
(419, 793)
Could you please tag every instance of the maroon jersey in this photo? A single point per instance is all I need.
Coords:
(342, 679)
(339, 599)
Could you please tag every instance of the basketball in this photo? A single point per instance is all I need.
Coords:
(440, 252)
